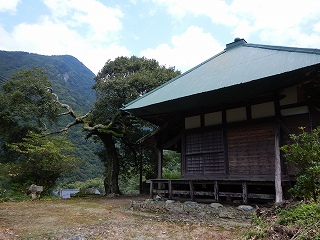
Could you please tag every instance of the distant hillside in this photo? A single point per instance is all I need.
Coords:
(70, 78)
(73, 82)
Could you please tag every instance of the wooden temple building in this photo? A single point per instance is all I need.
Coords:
(229, 116)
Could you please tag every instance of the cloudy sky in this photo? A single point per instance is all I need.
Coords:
(180, 33)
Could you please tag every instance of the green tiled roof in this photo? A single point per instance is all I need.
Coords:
(230, 74)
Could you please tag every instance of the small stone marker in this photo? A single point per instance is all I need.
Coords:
(35, 191)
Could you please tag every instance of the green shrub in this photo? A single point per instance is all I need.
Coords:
(304, 153)
(167, 174)
(287, 221)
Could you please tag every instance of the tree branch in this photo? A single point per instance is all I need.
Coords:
(96, 129)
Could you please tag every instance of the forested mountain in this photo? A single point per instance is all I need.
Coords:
(73, 82)
(70, 78)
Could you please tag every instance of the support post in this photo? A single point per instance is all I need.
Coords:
(151, 189)
(277, 164)
(160, 156)
(244, 192)
(216, 191)
(191, 186)
(170, 189)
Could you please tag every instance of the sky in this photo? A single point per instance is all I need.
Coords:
(177, 33)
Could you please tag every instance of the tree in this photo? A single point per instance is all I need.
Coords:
(43, 159)
(304, 153)
(119, 82)
(27, 106)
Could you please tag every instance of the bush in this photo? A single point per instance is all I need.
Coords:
(304, 153)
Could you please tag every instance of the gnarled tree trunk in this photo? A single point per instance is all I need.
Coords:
(111, 183)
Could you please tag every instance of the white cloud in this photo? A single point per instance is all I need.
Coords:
(8, 5)
(46, 37)
(277, 22)
(217, 10)
(101, 21)
(316, 27)
(187, 50)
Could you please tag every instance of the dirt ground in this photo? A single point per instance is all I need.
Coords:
(104, 218)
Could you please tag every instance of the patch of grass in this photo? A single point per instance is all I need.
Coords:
(298, 221)
(259, 230)
(303, 217)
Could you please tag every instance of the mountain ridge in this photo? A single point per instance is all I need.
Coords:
(70, 78)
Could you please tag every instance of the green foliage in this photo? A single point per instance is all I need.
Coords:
(130, 185)
(289, 221)
(27, 95)
(43, 159)
(171, 165)
(91, 167)
(96, 183)
(304, 153)
(167, 174)
(302, 214)
(25, 104)
(125, 79)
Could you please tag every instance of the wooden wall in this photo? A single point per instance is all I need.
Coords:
(251, 149)
(240, 140)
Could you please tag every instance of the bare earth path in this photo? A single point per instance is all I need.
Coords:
(100, 218)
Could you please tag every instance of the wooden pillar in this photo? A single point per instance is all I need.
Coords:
(216, 191)
(191, 186)
(244, 192)
(160, 156)
(277, 164)
(151, 189)
(170, 189)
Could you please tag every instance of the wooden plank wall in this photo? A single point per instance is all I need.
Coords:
(251, 149)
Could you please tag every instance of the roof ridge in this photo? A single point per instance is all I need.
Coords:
(283, 48)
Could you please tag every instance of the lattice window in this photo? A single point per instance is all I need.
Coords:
(205, 152)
